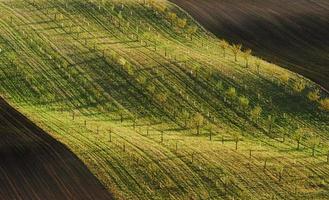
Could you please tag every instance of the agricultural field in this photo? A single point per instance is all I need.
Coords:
(293, 34)
(35, 166)
(156, 107)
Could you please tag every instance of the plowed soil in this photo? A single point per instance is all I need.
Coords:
(35, 166)
(290, 33)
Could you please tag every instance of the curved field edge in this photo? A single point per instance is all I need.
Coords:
(35, 166)
(291, 34)
(116, 81)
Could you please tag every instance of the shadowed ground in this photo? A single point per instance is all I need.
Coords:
(35, 166)
(293, 34)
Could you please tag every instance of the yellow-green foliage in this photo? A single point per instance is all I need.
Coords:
(314, 95)
(324, 104)
(125, 66)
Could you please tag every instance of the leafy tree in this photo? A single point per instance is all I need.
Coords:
(313, 141)
(181, 23)
(243, 102)
(236, 48)
(219, 85)
(236, 138)
(314, 95)
(121, 113)
(324, 104)
(224, 45)
(191, 31)
(210, 129)
(151, 88)
(231, 93)
(162, 97)
(246, 56)
(255, 113)
(196, 70)
(257, 64)
(172, 17)
(270, 121)
(198, 121)
(299, 86)
(185, 116)
(284, 78)
(298, 136)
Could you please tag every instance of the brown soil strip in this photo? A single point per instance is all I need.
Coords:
(293, 34)
(33, 165)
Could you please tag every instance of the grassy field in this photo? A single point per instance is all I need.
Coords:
(289, 33)
(156, 108)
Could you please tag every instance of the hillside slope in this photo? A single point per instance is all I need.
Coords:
(155, 108)
(35, 166)
(293, 34)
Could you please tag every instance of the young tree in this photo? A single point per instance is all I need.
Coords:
(270, 121)
(231, 93)
(313, 141)
(246, 56)
(236, 48)
(255, 113)
(185, 116)
(298, 136)
(198, 121)
(257, 64)
(172, 17)
(191, 31)
(210, 129)
(236, 138)
(121, 113)
(219, 85)
(284, 78)
(299, 86)
(243, 102)
(314, 95)
(151, 88)
(162, 97)
(324, 104)
(224, 45)
(196, 70)
(181, 23)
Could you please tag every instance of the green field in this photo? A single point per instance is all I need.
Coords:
(151, 105)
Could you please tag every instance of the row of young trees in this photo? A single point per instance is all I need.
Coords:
(315, 96)
(299, 86)
(236, 50)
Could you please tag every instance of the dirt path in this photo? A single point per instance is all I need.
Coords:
(293, 34)
(35, 166)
